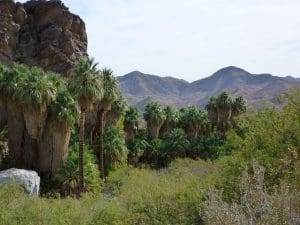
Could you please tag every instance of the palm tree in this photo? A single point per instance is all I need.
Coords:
(10, 80)
(54, 143)
(212, 110)
(86, 86)
(118, 110)
(115, 148)
(191, 120)
(224, 109)
(238, 107)
(110, 93)
(154, 116)
(170, 122)
(34, 94)
(131, 123)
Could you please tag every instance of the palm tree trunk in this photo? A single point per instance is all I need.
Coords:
(81, 149)
(98, 147)
(101, 150)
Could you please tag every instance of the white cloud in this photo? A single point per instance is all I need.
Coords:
(193, 38)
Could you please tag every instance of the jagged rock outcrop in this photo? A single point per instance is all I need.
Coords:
(41, 33)
(29, 180)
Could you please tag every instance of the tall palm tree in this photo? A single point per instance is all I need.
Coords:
(10, 80)
(86, 86)
(154, 116)
(224, 109)
(131, 123)
(54, 143)
(110, 93)
(170, 122)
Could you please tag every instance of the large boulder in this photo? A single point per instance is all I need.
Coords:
(41, 33)
(29, 180)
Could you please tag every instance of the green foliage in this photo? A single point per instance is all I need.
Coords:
(176, 145)
(115, 151)
(194, 121)
(36, 89)
(154, 114)
(137, 147)
(65, 108)
(272, 138)
(110, 85)
(207, 147)
(85, 84)
(131, 119)
(143, 196)
(68, 177)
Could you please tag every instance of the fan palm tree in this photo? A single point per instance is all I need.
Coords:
(34, 94)
(192, 120)
(224, 109)
(110, 93)
(212, 110)
(86, 86)
(238, 107)
(154, 116)
(10, 80)
(170, 122)
(131, 123)
(54, 143)
(118, 110)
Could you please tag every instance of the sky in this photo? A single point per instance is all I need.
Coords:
(191, 39)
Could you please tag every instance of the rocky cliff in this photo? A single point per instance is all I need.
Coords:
(41, 33)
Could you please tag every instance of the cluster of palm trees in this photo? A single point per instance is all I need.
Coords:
(41, 113)
(41, 108)
(168, 128)
(223, 111)
(220, 114)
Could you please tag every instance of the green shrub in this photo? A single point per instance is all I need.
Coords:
(115, 151)
(68, 177)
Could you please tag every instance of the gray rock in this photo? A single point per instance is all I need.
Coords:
(29, 180)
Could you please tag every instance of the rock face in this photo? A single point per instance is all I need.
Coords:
(41, 33)
(29, 180)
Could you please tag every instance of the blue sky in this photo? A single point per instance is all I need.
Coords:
(191, 39)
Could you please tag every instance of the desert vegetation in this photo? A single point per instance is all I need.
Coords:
(104, 162)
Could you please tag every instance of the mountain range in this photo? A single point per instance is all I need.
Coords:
(257, 89)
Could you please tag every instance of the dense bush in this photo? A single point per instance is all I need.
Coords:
(255, 205)
(273, 139)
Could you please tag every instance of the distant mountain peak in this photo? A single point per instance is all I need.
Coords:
(231, 70)
(140, 88)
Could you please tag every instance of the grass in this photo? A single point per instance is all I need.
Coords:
(132, 196)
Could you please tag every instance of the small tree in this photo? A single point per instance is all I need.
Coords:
(85, 84)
